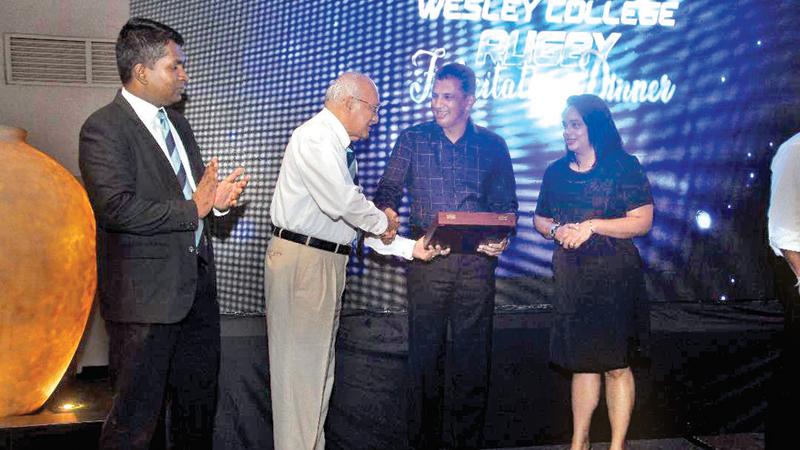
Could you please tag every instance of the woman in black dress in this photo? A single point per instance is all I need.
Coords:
(592, 202)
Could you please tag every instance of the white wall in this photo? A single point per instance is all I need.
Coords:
(53, 115)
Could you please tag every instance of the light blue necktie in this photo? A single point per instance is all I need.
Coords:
(177, 166)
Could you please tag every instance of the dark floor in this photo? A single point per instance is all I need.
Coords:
(55, 426)
(743, 441)
(703, 389)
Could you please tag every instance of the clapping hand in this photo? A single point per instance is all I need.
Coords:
(204, 195)
(230, 188)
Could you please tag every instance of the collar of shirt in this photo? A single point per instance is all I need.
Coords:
(331, 120)
(469, 131)
(146, 111)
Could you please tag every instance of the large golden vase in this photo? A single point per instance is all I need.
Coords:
(48, 272)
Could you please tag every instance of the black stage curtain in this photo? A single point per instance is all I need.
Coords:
(706, 373)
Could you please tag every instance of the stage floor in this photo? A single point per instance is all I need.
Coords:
(50, 428)
(704, 388)
(743, 441)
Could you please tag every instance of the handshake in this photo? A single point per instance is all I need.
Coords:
(393, 224)
(421, 251)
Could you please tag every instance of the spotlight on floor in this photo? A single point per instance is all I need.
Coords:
(69, 406)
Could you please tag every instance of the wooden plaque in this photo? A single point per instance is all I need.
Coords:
(463, 231)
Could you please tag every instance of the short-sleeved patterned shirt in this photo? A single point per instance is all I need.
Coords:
(472, 174)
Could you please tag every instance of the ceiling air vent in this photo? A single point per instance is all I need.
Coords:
(53, 60)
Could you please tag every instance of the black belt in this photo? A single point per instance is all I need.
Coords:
(311, 241)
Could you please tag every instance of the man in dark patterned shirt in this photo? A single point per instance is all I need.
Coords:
(450, 164)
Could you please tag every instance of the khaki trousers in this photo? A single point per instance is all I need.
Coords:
(303, 288)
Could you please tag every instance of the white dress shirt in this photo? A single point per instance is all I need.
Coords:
(784, 202)
(148, 114)
(315, 195)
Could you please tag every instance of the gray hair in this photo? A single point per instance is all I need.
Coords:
(343, 86)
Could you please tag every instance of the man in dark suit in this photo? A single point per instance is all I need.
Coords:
(151, 197)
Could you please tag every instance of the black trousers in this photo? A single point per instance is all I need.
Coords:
(784, 389)
(448, 384)
(169, 368)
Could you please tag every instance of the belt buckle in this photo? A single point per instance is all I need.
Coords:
(336, 249)
(308, 241)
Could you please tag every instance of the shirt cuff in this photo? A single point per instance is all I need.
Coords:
(219, 213)
(402, 247)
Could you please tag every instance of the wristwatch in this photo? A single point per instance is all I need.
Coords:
(553, 229)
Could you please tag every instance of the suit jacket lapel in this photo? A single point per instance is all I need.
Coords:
(148, 148)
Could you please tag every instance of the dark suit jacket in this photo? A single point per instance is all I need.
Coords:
(147, 260)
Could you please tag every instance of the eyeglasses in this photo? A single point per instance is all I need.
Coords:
(375, 108)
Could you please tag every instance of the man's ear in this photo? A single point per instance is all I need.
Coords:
(140, 73)
(470, 101)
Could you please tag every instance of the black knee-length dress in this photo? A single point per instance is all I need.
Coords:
(599, 287)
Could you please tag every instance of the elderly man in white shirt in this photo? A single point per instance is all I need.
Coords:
(784, 207)
(317, 210)
(784, 238)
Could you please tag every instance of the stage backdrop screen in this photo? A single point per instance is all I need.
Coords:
(703, 92)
